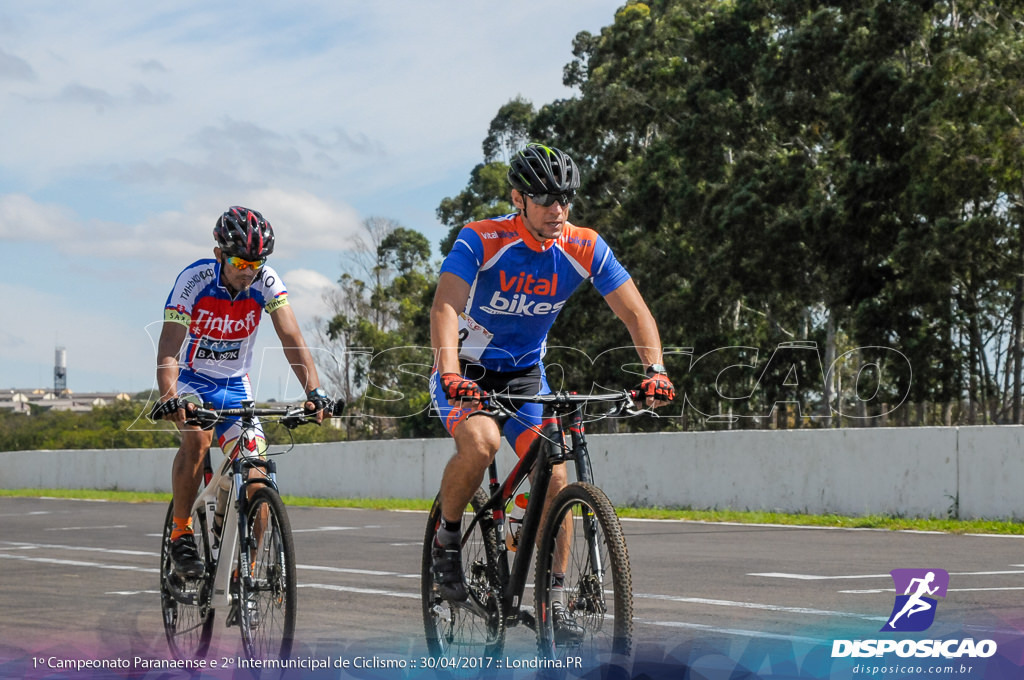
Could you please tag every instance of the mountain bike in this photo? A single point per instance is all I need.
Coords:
(244, 536)
(597, 589)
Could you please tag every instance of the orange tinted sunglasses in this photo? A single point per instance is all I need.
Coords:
(239, 263)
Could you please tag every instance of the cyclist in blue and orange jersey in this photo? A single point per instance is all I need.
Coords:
(499, 292)
(205, 349)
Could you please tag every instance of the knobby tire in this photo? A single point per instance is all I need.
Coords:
(452, 630)
(188, 625)
(598, 597)
(267, 606)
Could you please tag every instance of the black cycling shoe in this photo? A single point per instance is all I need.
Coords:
(185, 557)
(447, 570)
(567, 631)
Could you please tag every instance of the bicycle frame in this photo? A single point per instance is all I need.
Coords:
(235, 468)
(250, 554)
(549, 450)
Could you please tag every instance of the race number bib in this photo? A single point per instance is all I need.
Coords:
(473, 338)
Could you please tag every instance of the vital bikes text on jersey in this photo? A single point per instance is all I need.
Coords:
(518, 285)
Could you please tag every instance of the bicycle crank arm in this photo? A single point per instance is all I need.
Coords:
(472, 605)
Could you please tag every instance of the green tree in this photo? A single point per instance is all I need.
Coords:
(384, 334)
(847, 174)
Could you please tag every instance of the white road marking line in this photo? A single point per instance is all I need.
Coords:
(308, 531)
(109, 526)
(733, 631)
(346, 570)
(76, 563)
(50, 546)
(362, 591)
(813, 577)
(811, 527)
(948, 590)
(392, 574)
(755, 605)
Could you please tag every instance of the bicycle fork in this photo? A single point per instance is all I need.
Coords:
(584, 473)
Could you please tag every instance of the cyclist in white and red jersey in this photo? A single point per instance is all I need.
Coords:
(205, 349)
(500, 289)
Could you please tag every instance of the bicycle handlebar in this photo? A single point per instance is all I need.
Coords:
(289, 416)
(624, 401)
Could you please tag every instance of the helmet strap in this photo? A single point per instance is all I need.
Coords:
(224, 279)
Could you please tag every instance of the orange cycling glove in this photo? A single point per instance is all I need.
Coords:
(657, 386)
(457, 388)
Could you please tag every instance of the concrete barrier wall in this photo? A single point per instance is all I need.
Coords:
(972, 472)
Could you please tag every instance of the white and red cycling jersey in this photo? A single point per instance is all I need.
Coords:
(221, 328)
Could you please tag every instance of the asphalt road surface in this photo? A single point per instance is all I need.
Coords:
(80, 578)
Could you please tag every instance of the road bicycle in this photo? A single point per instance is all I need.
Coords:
(238, 515)
(580, 533)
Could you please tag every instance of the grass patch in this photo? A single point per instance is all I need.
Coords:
(943, 525)
(88, 494)
(949, 526)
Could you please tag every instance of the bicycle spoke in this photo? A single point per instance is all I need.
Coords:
(267, 600)
(583, 541)
(477, 626)
(188, 621)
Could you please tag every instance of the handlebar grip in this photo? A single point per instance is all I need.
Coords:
(202, 418)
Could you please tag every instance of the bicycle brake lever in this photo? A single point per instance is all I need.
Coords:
(631, 407)
(201, 418)
(295, 417)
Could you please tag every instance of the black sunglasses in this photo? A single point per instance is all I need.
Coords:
(544, 200)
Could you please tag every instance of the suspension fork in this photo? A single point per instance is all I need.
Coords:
(580, 454)
(585, 473)
(241, 502)
(241, 471)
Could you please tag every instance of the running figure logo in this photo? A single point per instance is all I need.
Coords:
(914, 610)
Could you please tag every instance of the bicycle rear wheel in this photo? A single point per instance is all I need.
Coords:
(582, 535)
(267, 603)
(476, 627)
(185, 603)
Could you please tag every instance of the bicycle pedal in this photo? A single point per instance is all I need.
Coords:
(528, 620)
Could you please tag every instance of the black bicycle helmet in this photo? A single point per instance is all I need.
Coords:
(244, 233)
(540, 169)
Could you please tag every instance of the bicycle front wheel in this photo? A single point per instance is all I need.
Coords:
(267, 601)
(583, 587)
(475, 627)
(185, 603)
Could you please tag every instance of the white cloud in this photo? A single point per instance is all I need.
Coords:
(22, 219)
(302, 222)
(306, 290)
(131, 126)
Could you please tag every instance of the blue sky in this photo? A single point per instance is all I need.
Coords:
(128, 128)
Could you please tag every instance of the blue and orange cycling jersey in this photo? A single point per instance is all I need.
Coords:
(518, 285)
(221, 328)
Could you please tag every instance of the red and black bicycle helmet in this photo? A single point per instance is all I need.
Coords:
(244, 233)
(540, 169)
